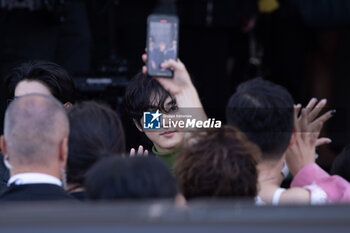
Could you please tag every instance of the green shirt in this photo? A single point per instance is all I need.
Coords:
(167, 157)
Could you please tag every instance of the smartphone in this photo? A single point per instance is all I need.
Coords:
(162, 43)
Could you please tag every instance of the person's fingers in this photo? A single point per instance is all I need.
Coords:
(316, 132)
(181, 63)
(296, 114)
(144, 69)
(323, 141)
(325, 117)
(140, 150)
(311, 105)
(297, 109)
(316, 110)
(132, 152)
(172, 64)
(146, 153)
(303, 121)
(144, 58)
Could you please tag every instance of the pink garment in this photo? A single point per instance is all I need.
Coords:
(336, 188)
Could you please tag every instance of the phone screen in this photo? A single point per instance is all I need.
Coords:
(162, 43)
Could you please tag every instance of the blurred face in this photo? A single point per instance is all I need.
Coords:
(166, 140)
(162, 46)
(30, 87)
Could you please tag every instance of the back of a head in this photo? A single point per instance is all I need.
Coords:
(53, 76)
(220, 163)
(95, 132)
(264, 112)
(35, 125)
(116, 178)
(341, 164)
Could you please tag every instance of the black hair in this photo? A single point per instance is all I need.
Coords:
(144, 93)
(53, 76)
(95, 132)
(130, 178)
(341, 164)
(264, 111)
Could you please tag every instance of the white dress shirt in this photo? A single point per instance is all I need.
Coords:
(33, 178)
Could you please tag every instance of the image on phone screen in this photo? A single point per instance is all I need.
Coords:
(162, 43)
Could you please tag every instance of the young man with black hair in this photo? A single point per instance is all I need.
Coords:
(265, 112)
(145, 94)
(168, 95)
(41, 77)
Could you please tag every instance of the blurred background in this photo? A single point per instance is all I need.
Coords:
(300, 44)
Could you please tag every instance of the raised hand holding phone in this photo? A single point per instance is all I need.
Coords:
(180, 87)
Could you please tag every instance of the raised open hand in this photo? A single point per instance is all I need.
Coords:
(307, 127)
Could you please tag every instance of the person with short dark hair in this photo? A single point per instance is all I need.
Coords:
(41, 77)
(265, 112)
(117, 178)
(35, 146)
(145, 94)
(218, 163)
(95, 132)
(169, 96)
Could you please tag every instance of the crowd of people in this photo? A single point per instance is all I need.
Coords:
(57, 149)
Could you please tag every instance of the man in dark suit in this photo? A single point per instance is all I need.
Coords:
(4, 175)
(35, 147)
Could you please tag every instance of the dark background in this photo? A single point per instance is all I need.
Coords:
(302, 45)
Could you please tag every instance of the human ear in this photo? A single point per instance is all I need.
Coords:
(3, 145)
(63, 154)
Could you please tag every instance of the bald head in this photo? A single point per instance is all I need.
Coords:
(35, 126)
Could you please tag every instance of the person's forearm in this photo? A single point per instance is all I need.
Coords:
(188, 101)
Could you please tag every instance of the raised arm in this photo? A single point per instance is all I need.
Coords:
(301, 156)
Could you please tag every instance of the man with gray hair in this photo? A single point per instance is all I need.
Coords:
(35, 147)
